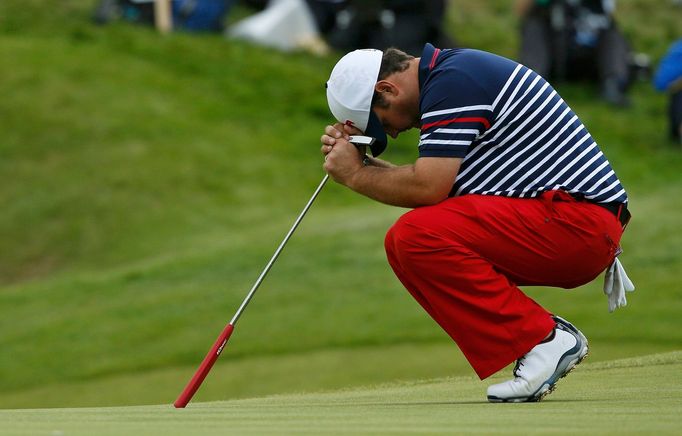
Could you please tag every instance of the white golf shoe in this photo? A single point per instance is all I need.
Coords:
(537, 372)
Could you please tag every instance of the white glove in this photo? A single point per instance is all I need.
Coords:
(616, 283)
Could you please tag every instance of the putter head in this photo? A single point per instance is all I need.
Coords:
(359, 140)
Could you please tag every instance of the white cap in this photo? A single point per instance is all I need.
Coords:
(350, 90)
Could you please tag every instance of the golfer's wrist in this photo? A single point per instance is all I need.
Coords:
(355, 181)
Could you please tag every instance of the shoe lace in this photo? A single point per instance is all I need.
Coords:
(519, 364)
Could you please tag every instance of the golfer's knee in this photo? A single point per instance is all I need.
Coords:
(418, 235)
(405, 234)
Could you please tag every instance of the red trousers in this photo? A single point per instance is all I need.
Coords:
(463, 260)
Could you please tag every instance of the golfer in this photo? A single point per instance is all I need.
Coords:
(509, 189)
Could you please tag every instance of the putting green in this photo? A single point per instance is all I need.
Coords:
(638, 395)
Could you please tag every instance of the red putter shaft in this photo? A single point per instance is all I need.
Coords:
(204, 368)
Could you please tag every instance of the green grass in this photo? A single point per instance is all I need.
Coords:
(146, 181)
(237, 378)
(639, 396)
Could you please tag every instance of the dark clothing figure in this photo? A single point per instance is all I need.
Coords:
(352, 24)
(668, 78)
(675, 115)
(188, 15)
(576, 39)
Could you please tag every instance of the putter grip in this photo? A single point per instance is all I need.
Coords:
(204, 368)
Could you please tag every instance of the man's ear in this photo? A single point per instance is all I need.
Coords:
(386, 87)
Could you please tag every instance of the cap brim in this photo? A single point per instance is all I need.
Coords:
(376, 131)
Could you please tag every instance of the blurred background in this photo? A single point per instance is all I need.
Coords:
(150, 165)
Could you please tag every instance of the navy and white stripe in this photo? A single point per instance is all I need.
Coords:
(515, 134)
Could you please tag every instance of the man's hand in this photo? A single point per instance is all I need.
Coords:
(342, 159)
(337, 131)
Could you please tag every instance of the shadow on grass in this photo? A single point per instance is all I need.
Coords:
(484, 402)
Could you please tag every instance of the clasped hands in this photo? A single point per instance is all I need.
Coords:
(342, 159)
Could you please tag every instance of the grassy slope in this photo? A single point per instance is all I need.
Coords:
(146, 181)
(641, 396)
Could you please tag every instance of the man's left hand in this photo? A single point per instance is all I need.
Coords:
(343, 161)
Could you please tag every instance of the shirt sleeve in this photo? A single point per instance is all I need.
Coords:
(456, 109)
(670, 67)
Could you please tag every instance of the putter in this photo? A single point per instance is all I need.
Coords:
(220, 343)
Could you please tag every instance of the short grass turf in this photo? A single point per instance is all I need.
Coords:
(637, 395)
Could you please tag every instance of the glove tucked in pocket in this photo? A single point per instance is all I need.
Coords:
(616, 284)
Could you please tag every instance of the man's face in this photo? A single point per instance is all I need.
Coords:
(400, 115)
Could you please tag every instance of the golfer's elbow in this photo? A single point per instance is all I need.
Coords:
(433, 179)
(430, 195)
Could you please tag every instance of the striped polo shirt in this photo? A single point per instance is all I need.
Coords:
(517, 137)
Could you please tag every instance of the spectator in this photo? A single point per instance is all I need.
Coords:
(189, 15)
(668, 78)
(576, 39)
(351, 24)
(141, 12)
